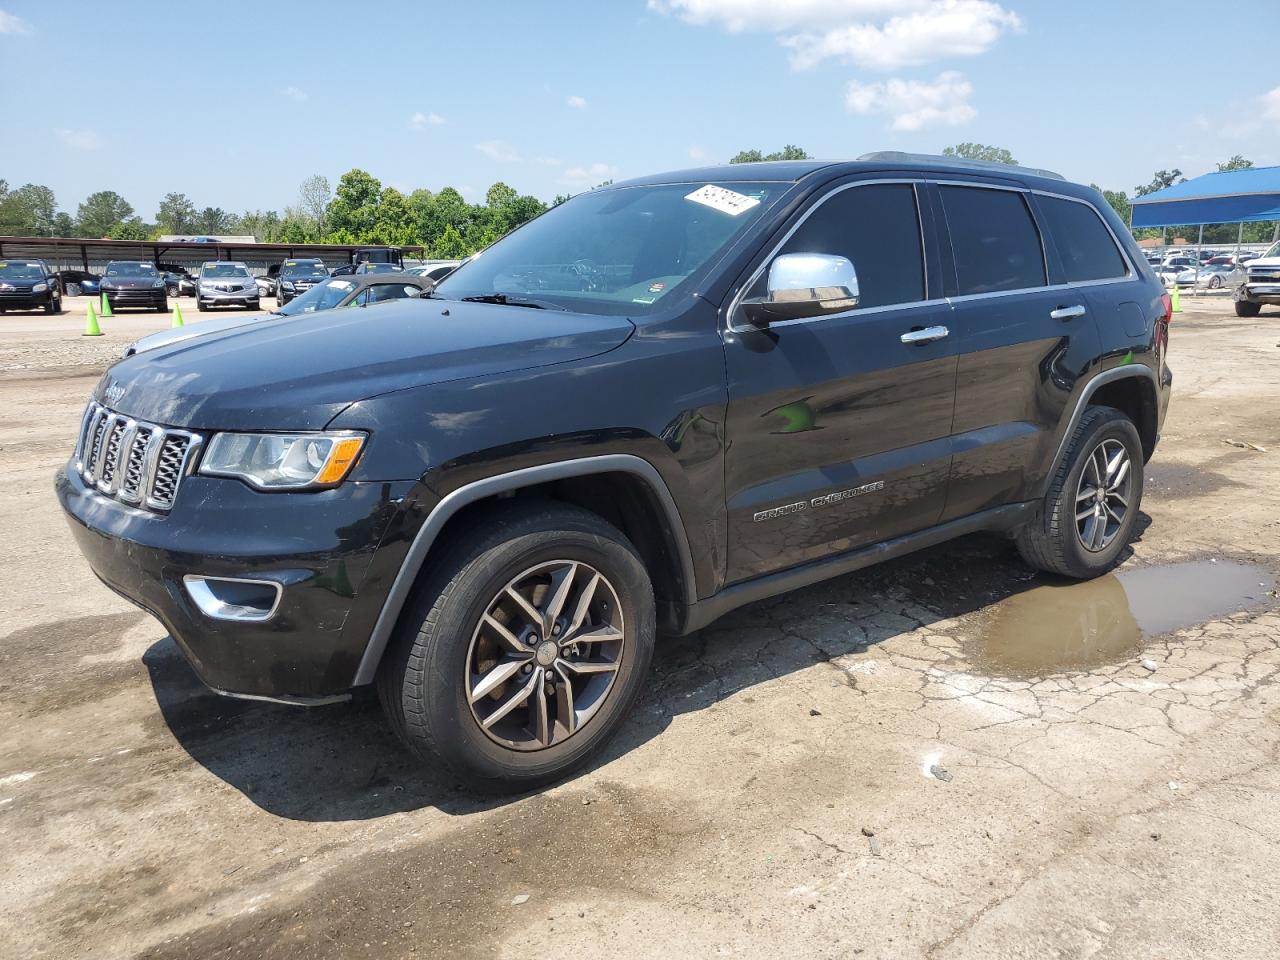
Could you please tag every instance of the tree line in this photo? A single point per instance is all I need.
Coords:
(361, 210)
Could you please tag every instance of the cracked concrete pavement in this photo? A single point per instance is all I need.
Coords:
(775, 794)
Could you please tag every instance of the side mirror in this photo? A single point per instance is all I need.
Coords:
(802, 285)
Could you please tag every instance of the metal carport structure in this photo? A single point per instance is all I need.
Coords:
(1233, 196)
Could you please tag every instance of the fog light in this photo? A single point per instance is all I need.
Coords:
(233, 598)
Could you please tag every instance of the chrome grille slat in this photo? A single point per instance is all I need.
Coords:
(135, 462)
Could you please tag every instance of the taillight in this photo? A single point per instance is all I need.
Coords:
(1167, 302)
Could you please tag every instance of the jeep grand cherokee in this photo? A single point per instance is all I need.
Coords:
(654, 403)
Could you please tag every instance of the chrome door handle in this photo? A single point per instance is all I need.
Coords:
(925, 335)
(1067, 313)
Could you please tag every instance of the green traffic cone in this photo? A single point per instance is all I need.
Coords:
(106, 306)
(91, 328)
(1177, 298)
(177, 317)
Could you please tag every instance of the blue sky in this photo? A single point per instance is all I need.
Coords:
(235, 103)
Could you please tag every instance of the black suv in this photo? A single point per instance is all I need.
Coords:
(296, 277)
(654, 403)
(133, 283)
(29, 285)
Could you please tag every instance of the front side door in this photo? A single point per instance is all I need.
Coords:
(838, 425)
(1023, 339)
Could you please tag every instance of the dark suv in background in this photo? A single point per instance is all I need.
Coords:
(29, 285)
(658, 401)
(296, 277)
(133, 283)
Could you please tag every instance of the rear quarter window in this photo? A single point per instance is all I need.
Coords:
(994, 240)
(1084, 243)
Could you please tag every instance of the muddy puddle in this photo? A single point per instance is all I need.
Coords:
(1074, 626)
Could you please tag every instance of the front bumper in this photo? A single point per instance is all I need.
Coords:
(1262, 293)
(235, 297)
(320, 548)
(137, 298)
(25, 300)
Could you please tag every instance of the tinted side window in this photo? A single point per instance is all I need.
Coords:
(391, 291)
(994, 240)
(877, 228)
(1088, 252)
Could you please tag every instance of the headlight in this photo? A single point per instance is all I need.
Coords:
(274, 461)
(40, 288)
(286, 284)
(105, 285)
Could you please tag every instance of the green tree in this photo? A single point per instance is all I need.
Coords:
(131, 229)
(314, 197)
(1237, 162)
(100, 212)
(449, 245)
(213, 220)
(1161, 179)
(789, 152)
(393, 220)
(499, 194)
(29, 211)
(1119, 201)
(980, 151)
(263, 225)
(353, 212)
(177, 214)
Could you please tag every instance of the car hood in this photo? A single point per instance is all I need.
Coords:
(202, 328)
(297, 373)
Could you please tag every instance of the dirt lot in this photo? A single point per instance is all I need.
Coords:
(944, 757)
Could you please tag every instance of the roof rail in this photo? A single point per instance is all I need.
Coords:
(898, 156)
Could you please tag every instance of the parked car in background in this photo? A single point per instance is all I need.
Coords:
(1262, 284)
(328, 295)
(134, 283)
(298, 276)
(226, 283)
(77, 283)
(1180, 262)
(373, 267)
(29, 285)
(1215, 276)
(266, 286)
(179, 283)
(436, 271)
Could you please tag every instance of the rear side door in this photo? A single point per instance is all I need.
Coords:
(1022, 339)
(838, 428)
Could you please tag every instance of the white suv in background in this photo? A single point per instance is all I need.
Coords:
(226, 283)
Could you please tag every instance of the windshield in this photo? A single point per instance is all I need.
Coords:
(15, 270)
(323, 296)
(620, 251)
(379, 268)
(297, 270)
(220, 270)
(1274, 251)
(119, 269)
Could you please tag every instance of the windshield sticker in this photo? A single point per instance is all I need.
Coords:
(657, 286)
(719, 198)
(343, 284)
(643, 299)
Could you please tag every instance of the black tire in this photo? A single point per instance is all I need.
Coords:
(1051, 541)
(422, 678)
(1246, 308)
(53, 307)
(1215, 283)
(200, 306)
(163, 307)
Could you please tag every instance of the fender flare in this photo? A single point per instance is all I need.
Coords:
(504, 483)
(1090, 388)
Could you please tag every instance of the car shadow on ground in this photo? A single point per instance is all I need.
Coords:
(341, 762)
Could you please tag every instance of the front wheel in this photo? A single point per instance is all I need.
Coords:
(1246, 308)
(1092, 504)
(523, 652)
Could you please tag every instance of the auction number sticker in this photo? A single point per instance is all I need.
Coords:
(722, 199)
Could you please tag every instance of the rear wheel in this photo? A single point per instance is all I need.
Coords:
(1246, 308)
(523, 651)
(1093, 499)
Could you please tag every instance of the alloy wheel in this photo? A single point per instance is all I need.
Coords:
(1102, 495)
(544, 657)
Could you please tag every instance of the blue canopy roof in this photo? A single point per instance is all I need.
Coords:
(1237, 196)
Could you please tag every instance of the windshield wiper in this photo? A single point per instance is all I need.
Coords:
(506, 301)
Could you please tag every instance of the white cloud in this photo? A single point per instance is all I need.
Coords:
(582, 178)
(79, 139)
(420, 121)
(11, 24)
(874, 34)
(1271, 105)
(499, 151)
(577, 102)
(293, 93)
(915, 104)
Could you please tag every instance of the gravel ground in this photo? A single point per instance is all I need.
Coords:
(858, 769)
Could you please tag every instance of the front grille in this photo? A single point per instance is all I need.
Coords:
(134, 462)
(1264, 273)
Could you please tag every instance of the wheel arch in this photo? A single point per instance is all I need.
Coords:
(624, 489)
(1132, 390)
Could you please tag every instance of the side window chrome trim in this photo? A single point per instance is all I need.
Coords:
(915, 183)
